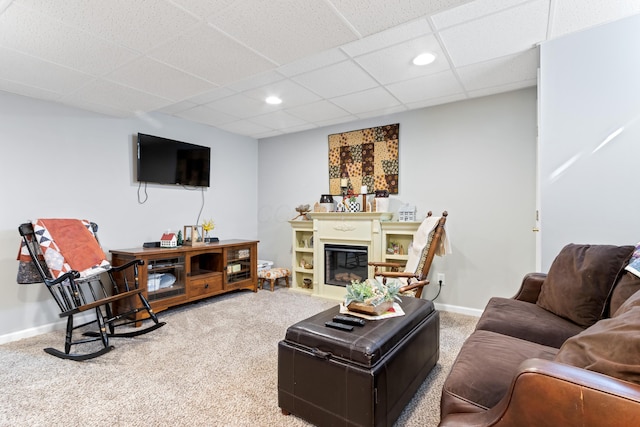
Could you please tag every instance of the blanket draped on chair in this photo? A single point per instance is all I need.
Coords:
(422, 241)
(67, 245)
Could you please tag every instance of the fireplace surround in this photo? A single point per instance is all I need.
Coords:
(374, 232)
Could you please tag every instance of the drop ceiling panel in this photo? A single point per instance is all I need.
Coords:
(471, 10)
(70, 47)
(505, 70)
(373, 16)
(312, 62)
(138, 25)
(290, 92)
(150, 76)
(241, 106)
(278, 120)
(318, 111)
(336, 80)
(207, 53)
(500, 34)
(426, 87)
(246, 127)
(30, 91)
(387, 38)
(367, 100)
(394, 63)
(203, 8)
(206, 115)
(31, 71)
(289, 29)
(113, 95)
(574, 15)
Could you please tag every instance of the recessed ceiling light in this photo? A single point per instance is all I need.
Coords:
(273, 100)
(424, 58)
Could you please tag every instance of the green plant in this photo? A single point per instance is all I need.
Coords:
(372, 292)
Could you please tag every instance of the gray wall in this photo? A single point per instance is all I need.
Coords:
(589, 88)
(475, 159)
(63, 162)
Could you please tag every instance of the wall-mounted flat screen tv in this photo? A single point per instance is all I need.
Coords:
(166, 161)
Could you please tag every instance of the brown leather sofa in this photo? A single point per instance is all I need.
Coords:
(565, 351)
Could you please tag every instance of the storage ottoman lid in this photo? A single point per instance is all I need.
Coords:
(364, 345)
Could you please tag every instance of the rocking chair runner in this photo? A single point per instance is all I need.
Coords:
(86, 296)
(420, 259)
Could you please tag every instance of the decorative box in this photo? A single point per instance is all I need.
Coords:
(407, 213)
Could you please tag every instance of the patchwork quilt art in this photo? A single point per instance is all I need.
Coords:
(366, 157)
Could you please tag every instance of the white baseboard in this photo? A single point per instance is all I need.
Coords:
(458, 309)
(32, 332)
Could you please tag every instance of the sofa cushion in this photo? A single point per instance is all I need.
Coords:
(580, 279)
(611, 346)
(526, 321)
(483, 371)
(627, 285)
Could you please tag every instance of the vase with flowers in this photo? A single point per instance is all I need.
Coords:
(208, 227)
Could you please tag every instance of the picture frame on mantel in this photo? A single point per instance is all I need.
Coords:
(365, 157)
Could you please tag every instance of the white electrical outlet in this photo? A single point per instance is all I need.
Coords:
(441, 278)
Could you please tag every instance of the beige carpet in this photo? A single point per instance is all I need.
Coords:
(213, 364)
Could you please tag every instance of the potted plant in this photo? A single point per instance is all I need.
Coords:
(371, 296)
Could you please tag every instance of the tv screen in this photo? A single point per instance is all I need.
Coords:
(166, 161)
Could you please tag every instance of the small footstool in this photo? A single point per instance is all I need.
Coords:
(272, 275)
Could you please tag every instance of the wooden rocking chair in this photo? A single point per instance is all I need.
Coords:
(88, 298)
(432, 230)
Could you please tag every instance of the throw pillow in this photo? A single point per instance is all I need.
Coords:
(627, 285)
(611, 346)
(579, 281)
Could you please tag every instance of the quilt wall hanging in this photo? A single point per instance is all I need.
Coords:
(366, 157)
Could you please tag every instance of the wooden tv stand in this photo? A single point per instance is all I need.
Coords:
(174, 276)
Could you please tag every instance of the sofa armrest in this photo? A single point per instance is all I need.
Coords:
(530, 287)
(549, 393)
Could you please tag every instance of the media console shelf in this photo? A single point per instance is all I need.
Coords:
(174, 276)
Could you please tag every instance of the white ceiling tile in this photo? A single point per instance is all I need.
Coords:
(472, 10)
(25, 90)
(372, 16)
(394, 63)
(148, 75)
(291, 93)
(382, 112)
(504, 70)
(367, 100)
(138, 25)
(206, 115)
(336, 121)
(212, 95)
(267, 134)
(390, 37)
(59, 43)
(317, 111)
(177, 107)
(278, 120)
(113, 95)
(242, 106)
(335, 80)
(426, 87)
(573, 15)
(97, 108)
(289, 29)
(245, 127)
(31, 71)
(209, 54)
(253, 82)
(299, 128)
(203, 8)
(312, 62)
(500, 34)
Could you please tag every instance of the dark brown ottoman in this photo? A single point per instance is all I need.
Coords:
(365, 377)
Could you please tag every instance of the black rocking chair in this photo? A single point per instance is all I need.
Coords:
(91, 300)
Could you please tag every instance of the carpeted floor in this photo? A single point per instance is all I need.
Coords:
(213, 364)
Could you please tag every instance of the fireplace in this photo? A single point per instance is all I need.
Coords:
(344, 263)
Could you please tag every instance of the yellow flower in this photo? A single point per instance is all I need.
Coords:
(208, 225)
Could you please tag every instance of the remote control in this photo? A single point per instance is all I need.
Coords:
(337, 325)
(349, 320)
